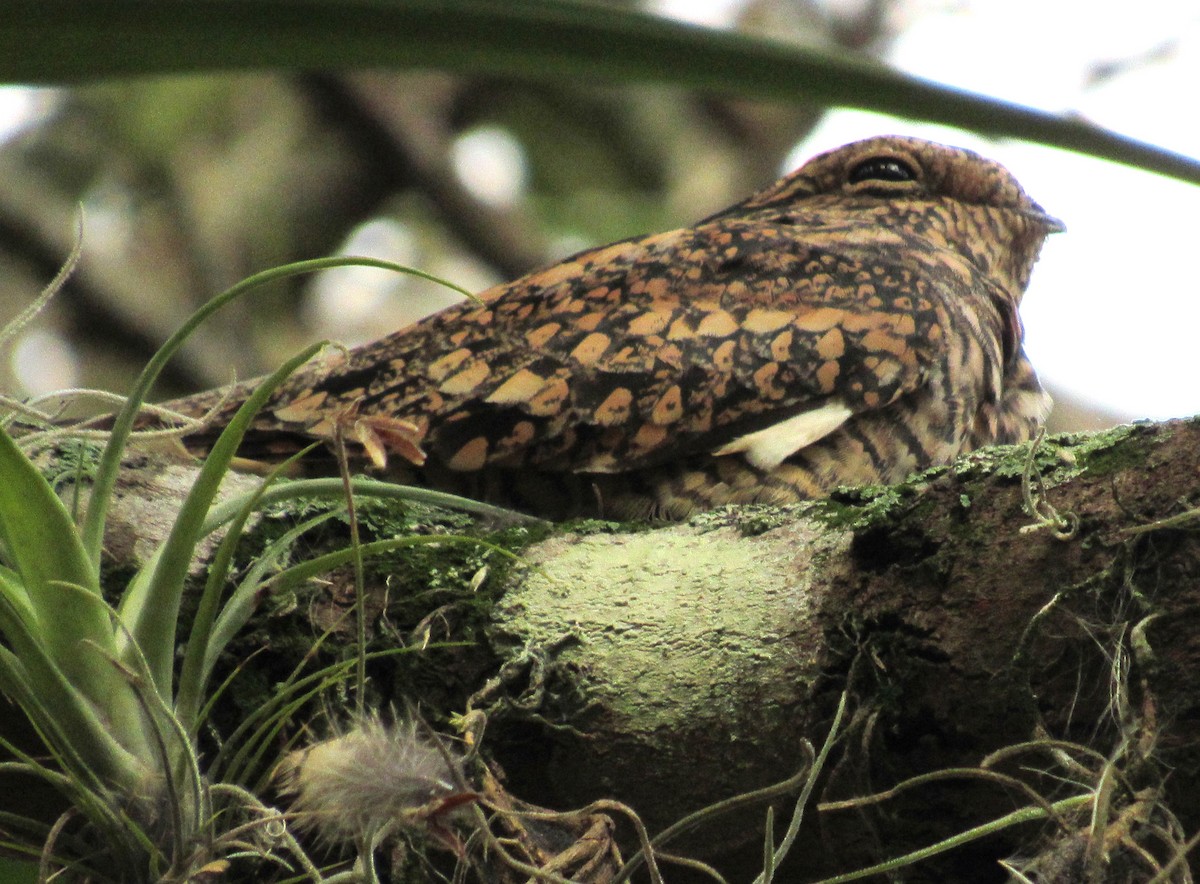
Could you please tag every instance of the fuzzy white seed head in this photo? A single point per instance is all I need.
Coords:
(371, 778)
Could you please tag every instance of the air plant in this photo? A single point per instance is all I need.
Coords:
(99, 683)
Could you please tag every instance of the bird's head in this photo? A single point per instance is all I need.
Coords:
(954, 195)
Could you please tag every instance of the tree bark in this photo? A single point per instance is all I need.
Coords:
(959, 625)
(674, 667)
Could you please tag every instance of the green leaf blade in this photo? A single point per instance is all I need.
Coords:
(152, 617)
(42, 546)
(63, 40)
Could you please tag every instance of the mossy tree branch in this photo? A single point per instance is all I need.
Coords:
(676, 666)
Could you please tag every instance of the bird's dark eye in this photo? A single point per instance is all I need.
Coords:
(882, 169)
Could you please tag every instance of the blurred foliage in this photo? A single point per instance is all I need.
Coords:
(191, 181)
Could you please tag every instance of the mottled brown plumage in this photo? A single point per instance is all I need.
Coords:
(851, 323)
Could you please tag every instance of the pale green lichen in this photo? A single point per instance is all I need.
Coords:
(1056, 459)
(750, 520)
(857, 509)
(1060, 457)
(677, 594)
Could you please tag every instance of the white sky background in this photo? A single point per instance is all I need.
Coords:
(1113, 312)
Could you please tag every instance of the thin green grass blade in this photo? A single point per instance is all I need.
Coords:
(245, 599)
(92, 802)
(65, 40)
(103, 809)
(249, 731)
(288, 685)
(92, 532)
(256, 746)
(201, 650)
(256, 733)
(80, 785)
(364, 487)
(236, 612)
(32, 769)
(243, 745)
(818, 765)
(297, 574)
(152, 619)
(15, 822)
(214, 697)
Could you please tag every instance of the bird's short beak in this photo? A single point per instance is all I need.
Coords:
(1052, 224)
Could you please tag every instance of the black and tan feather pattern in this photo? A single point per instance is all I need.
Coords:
(853, 322)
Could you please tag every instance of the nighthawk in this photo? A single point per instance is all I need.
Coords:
(851, 323)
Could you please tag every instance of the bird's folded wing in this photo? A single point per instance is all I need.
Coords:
(742, 336)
